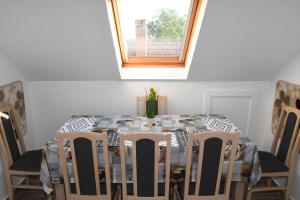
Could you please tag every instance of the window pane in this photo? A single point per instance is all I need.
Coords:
(154, 28)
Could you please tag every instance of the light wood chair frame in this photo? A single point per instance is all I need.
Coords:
(156, 137)
(142, 99)
(93, 137)
(291, 158)
(6, 155)
(201, 138)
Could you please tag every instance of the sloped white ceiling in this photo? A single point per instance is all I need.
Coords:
(54, 40)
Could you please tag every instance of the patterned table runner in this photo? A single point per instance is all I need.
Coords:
(178, 125)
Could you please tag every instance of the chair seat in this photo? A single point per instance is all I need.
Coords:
(161, 189)
(192, 188)
(269, 163)
(29, 161)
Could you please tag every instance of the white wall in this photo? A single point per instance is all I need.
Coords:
(52, 103)
(292, 73)
(8, 73)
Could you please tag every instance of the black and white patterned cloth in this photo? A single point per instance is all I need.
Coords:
(178, 125)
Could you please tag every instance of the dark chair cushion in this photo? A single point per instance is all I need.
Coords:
(11, 138)
(85, 166)
(145, 148)
(192, 188)
(269, 163)
(29, 162)
(114, 188)
(287, 137)
(161, 189)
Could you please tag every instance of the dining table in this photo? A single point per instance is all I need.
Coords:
(246, 166)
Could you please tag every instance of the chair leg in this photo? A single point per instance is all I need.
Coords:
(59, 191)
(10, 187)
(50, 197)
(10, 193)
(249, 194)
(288, 189)
(120, 194)
(174, 192)
(239, 190)
(117, 195)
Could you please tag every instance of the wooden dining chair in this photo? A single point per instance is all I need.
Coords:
(147, 157)
(141, 102)
(209, 182)
(282, 160)
(162, 103)
(17, 161)
(89, 182)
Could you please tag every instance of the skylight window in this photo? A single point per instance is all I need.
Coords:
(156, 29)
(158, 34)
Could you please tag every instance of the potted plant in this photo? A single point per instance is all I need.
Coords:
(151, 103)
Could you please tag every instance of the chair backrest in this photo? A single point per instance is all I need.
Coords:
(162, 103)
(5, 164)
(10, 133)
(4, 154)
(147, 158)
(294, 156)
(84, 160)
(285, 138)
(211, 153)
(141, 100)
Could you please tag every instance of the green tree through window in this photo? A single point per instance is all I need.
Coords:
(167, 24)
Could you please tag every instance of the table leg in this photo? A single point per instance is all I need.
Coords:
(239, 190)
(59, 191)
